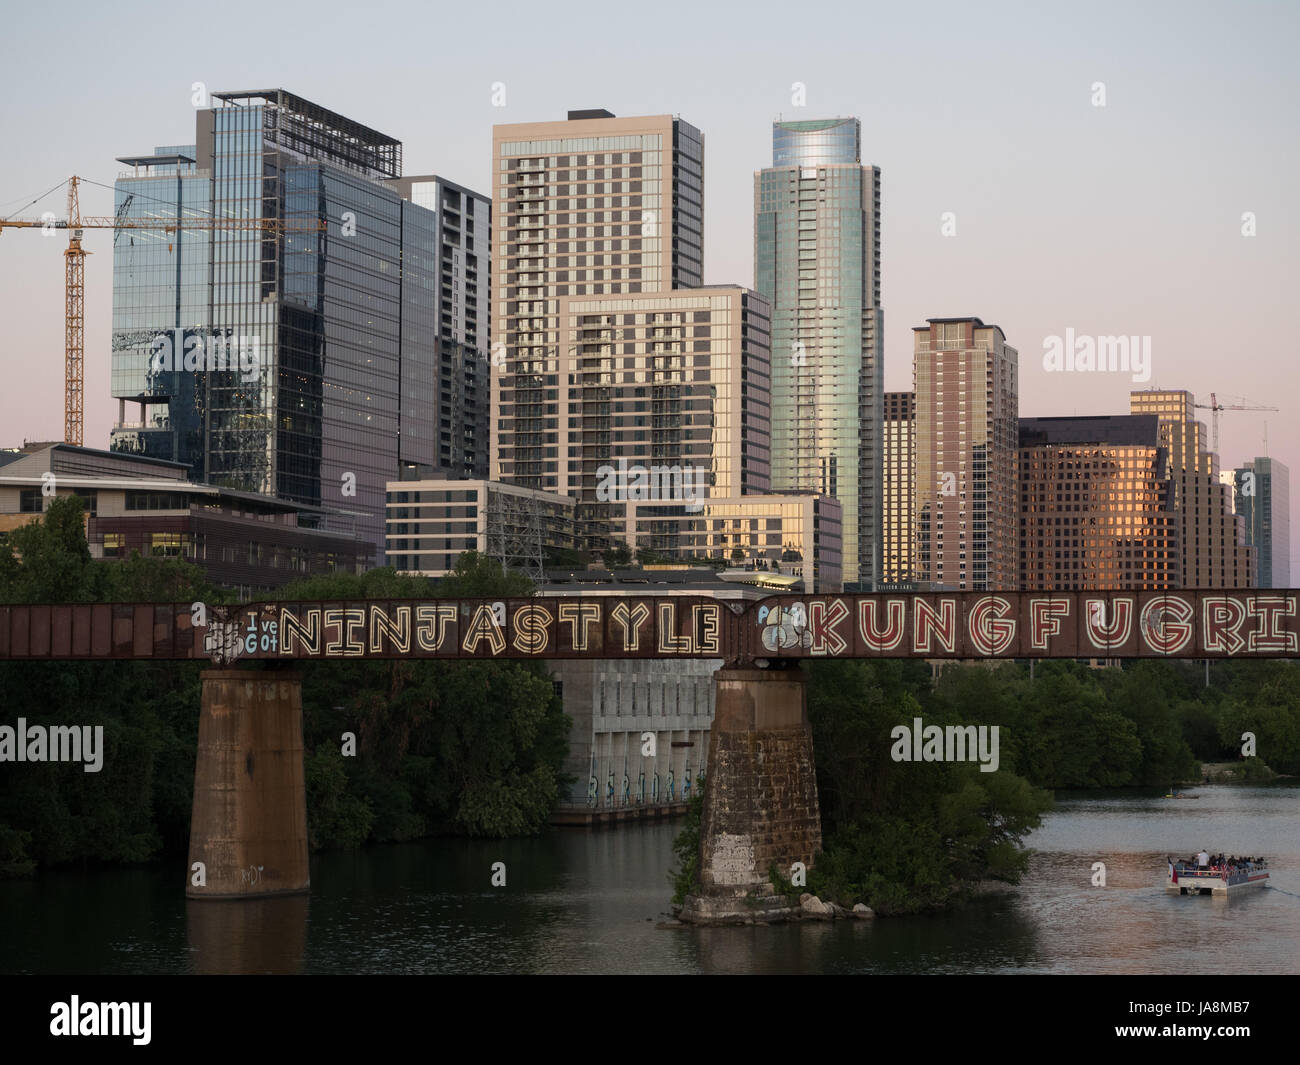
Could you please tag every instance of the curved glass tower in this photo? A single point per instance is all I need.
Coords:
(817, 258)
(822, 142)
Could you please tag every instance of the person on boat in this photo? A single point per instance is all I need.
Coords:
(1202, 860)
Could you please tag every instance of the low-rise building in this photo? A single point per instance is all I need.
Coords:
(243, 541)
(431, 522)
(795, 535)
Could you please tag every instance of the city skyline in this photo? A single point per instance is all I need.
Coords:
(1113, 226)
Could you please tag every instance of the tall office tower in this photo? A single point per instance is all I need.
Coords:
(817, 258)
(1263, 499)
(1096, 505)
(320, 425)
(160, 287)
(967, 434)
(336, 334)
(897, 490)
(1212, 549)
(454, 306)
(589, 207)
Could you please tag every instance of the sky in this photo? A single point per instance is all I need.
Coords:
(1097, 166)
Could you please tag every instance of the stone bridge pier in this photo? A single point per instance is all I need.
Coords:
(760, 797)
(248, 831)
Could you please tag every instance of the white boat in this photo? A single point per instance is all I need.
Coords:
(1229, 878)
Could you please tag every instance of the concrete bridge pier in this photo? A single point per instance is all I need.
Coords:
(249, 823)
(760, 801)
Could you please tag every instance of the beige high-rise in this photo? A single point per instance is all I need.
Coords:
(593, 206)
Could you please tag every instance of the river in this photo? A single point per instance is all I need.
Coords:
(579, 901)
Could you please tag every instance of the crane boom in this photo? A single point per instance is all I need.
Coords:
(1214, 406)
(74, 286)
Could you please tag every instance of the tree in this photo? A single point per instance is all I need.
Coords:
(906, 836)
(473, 748)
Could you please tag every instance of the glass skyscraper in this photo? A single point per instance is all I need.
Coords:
(817, 258)
(454, 281)
(320, 424)
(1263, 499)
(341, 320)
(160, 289)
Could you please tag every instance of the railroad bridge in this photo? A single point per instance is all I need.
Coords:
(249, 824)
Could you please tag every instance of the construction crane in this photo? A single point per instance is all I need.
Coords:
(75, 276)
(1214, 406)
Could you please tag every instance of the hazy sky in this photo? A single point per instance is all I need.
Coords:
(1116, 219)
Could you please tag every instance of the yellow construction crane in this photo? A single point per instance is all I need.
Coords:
(1214, 406)
(75, 277)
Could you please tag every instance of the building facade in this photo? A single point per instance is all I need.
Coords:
(1212, 549)
(796, 535)
(1096, 505)
(447, 295)
(1262, 493)
(673, 382)
(614, 704)
(429, 523)
(967, 434)
(339, 373)
(248, 543)
(896, 523)
(817, 259)
(160, 289)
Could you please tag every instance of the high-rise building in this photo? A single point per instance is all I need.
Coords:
(1262, 489)
(967, 435)
(320, 424)
(817, 259)
(626, 384)
(590, 207)
(1212, 550)
(336, 376)
(451, 302)
(161, 288)
(897, 532)
(1096, 505)
(662, 381)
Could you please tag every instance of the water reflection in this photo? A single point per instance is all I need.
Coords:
(247, 935)
(588, 902)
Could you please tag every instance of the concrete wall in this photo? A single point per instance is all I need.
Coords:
(613, 703)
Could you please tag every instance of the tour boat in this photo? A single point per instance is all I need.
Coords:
(1188, 879)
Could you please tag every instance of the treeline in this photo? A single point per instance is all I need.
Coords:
(441, 748)
(906, 836)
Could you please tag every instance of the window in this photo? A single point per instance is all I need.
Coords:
(167, 545)
(89, 497)
(156, 501)
(29, 501)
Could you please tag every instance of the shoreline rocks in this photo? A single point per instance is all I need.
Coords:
(713, 911)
